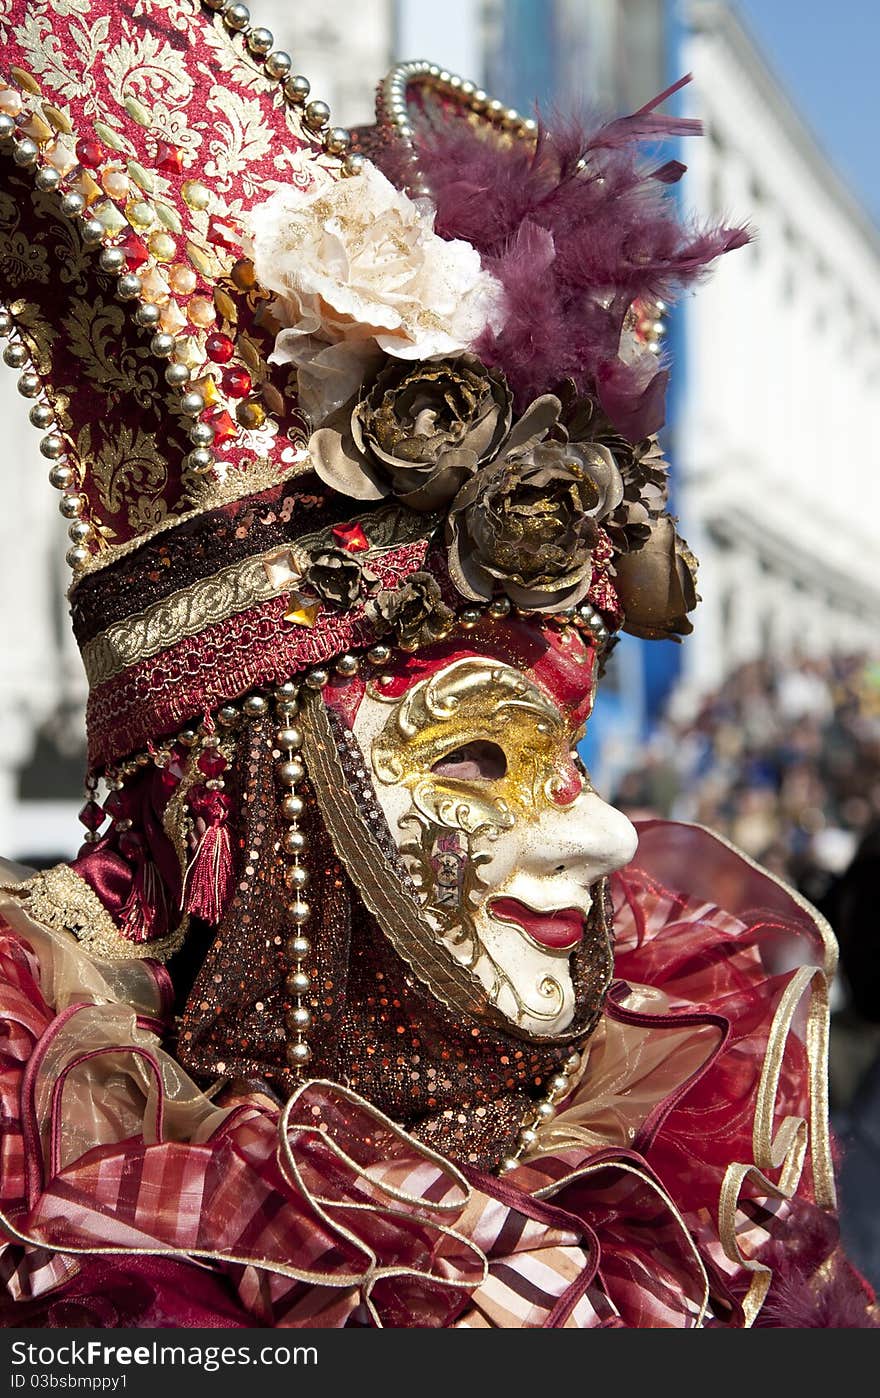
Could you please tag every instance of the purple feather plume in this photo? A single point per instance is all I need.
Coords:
(577, 229)
(814, 1286)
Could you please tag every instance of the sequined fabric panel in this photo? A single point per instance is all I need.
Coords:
(459, 1085)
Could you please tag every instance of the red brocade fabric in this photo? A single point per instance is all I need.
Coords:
(228, 126)
(668, 1180)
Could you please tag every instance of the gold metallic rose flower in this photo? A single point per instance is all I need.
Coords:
(338, 578)
(418, 432)
(527, 524)
(657, 584)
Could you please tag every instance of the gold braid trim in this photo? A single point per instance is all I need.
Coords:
(185, 613)
(232, 590)
(399, 917)
(61, 900)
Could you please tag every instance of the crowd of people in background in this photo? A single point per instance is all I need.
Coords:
(783, 759)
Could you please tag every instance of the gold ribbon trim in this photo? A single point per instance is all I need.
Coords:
(401, 920)
(185, 613)
(785, 1151)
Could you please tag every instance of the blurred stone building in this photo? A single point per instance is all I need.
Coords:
(776, 440)
(773, 423)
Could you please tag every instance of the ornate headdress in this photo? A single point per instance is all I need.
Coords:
(315, 402)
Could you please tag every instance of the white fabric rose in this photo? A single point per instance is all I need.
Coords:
(358, 270)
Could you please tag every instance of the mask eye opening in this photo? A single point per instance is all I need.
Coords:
(479, 760)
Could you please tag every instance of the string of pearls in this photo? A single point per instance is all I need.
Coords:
(558, 1089)
(393, 111)
(290, 771)
(260, 42)
(53, 446)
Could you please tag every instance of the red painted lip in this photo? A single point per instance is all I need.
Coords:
(559, 930)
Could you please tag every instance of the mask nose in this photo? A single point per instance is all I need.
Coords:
(588, 840)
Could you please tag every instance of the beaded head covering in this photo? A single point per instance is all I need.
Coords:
(318, 405)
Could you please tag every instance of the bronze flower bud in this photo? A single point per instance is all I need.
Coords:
(528, 524)
(657, 584)
(415, 611)
(418, 433)
(336, 577)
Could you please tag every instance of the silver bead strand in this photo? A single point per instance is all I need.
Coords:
(112, 259)
(289, 770)
(53, 447)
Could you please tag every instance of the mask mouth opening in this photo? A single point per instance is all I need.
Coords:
(559, 930)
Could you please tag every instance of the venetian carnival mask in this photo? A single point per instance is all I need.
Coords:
(475, 769)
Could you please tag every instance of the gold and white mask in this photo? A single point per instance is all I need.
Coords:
(475, 770)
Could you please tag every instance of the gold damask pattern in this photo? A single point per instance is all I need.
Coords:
(96, 364)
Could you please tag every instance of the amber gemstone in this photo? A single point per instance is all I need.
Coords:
(243, 274)
(196, 194)
(301, 612)
(183, 279)
(201, 312)
(220, 348)
(116, 183)
(251, 415)
(90, 153)
(162, 245)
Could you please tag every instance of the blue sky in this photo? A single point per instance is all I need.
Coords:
(826, 56)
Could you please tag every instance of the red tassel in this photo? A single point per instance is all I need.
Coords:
(208, 885)
(144, 913)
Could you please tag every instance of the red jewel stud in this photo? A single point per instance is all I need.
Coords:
(169, 159)
(223, 235)
(223, 425)
(136, 251)
(219, 347)
(237, 382)
(351, 537)
(92, 816)
(212, 763)
(90, 153)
